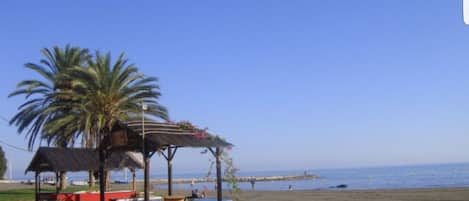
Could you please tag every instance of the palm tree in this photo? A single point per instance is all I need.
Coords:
(104, 93)
(40, 94)
(82, 97)
(34, 114)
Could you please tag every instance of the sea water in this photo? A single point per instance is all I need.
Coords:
(395, 177)
(392, 177)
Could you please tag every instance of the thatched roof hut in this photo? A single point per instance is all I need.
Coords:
(52, 159)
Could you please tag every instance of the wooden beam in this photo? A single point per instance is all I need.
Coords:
(134, 181)
(57, 186)
(213, 152)
(36, 196)
(146, 182)
(219, 179)
(170, 171)
(151, 154)
(174, 153)
(39, 183)
(164, 155)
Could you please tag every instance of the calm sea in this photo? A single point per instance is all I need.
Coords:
(421, 176)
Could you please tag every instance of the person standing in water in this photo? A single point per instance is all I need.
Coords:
(253, 183)
(192, 183)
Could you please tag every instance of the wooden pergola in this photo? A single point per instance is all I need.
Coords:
(150, 137)
(53, 159)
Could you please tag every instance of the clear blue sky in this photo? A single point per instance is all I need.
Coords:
(293, 84)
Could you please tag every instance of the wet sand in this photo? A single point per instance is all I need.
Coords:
(430, 194)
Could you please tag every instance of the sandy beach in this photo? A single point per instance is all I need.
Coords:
(447, 194)
(427, 194)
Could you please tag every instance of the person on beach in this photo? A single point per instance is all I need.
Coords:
(195, 193)
(204, 192)
(290, 187)
(253, 183)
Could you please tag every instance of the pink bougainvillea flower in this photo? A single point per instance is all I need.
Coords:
(200, 135)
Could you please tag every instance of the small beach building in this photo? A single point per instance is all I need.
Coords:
(52, 159)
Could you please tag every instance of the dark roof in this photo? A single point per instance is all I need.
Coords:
(171, 134)
(80, 159)
(161, 135)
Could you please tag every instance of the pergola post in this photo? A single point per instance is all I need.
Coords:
(57, 186)
(101, 174)
(39, 183)
(170, 172)
(146, 182)
(169, 158)
(134, 182)
(219, 178)
(217, 154)
(36, 187)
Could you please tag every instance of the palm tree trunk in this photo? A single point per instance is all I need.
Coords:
(107, 179)
(63, 180)
(91, 179)
(89, 143)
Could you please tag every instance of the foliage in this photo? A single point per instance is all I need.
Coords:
(81, 95)
(199, 133)
(40, 93)
(186, 125)
(230, 169)
(107, 92)
(3, 163)
(230, 172)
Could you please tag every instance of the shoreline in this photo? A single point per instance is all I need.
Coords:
(239, 179)
(416, 194)
(114, 186)
(161, 183)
